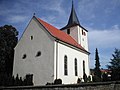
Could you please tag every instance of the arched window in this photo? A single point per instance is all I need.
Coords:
(65, 66)
(83, 66)
(76, 73)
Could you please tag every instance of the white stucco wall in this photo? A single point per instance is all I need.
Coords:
(83, 38)
(42, 67)
(73, 32)
(71, 55)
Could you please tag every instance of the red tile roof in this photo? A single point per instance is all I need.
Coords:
(105, 70)
(60, 34)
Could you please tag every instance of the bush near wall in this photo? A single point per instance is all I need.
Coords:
(8, 80)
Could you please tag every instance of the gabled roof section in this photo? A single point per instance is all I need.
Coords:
(73, 19)
(60, 35)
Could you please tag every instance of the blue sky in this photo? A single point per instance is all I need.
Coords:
(100, 17)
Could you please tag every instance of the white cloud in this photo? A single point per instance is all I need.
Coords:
(112, 5)
(49, 19)
(55, 6)
(105, 38)
(57, 13)
(16, 19)
(91, 9)
(116, 27)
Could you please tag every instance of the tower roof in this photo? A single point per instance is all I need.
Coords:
(73, 19)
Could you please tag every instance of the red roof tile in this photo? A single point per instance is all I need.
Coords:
(60, 34)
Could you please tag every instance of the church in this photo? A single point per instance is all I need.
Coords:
(48, 53)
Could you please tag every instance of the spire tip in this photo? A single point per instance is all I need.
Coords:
(72, 2)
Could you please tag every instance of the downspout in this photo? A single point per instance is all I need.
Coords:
(56, 57)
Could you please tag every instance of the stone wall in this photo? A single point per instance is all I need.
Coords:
(83, 86)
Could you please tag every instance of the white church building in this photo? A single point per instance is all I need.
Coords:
(49, 53)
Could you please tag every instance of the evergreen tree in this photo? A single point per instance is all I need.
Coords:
(115, 65)
(97, 71)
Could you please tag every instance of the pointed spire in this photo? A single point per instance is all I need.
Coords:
(73, 19)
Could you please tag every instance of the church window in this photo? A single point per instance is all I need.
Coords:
(65, 66)
(31, 37)
(82, 32)
(68, 31)
(38, 54)
(24, 56)
(76, 73)
(83, 66)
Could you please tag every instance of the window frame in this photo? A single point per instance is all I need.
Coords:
(31, 37)
(68, 31)
(83, 66)
(76, 69)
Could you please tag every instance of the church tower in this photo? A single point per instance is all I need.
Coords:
(75, 30)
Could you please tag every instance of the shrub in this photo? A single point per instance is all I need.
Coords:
(58, 81)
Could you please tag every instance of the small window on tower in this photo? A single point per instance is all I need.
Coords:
(82, 32)
(68, 31)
